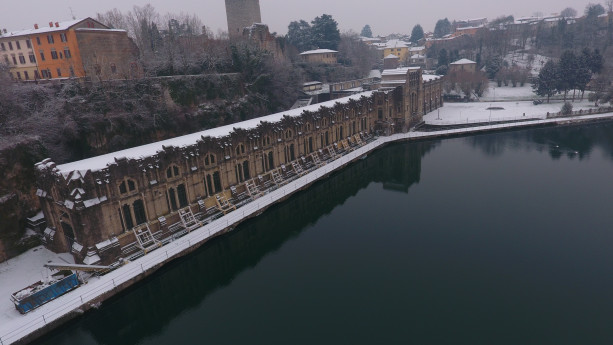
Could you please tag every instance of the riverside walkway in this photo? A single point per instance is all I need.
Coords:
(23, 328)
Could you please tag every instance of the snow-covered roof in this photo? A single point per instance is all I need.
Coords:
(418, 56)
(318, 51)
(101, 162)
(312, 83)
(416, 49)
(391, 56)
(46, 28)
(396, 44)
(431, 77)
(400, 70)
(470, 27)
(463, 62)
(105, 30)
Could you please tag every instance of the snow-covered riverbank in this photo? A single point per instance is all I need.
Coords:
(14, 326)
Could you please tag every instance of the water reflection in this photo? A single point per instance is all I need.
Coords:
(146, 309)
(576, 141)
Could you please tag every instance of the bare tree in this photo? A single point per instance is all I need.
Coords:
(114, 19)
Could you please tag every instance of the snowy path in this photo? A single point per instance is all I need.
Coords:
(14, 326)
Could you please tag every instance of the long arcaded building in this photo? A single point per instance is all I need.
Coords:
(126, 203)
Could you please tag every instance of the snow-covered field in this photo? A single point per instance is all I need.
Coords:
(22, 271)
(508, 93)
(522, 60)
(477, 112)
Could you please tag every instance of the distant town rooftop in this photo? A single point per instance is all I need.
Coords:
(463, 62)
(399, 71)
(49, 27)
(312, 83)
(318, 51)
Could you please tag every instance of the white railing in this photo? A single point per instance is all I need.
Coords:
(469, 121)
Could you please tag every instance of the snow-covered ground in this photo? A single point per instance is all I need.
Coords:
(522, 60)
(22, 271)
(478, 112)
(508, 93)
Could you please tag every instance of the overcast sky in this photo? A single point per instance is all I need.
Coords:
(384, 16)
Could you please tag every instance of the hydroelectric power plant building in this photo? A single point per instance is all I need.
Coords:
(124, 204)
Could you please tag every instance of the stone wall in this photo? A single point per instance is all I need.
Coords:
(108, 54)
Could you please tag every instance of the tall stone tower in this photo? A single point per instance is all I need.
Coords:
(242, 14)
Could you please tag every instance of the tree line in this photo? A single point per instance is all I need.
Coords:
(321, 33)
(571, 72)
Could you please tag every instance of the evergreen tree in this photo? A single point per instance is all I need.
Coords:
(596, 62)
(442, 28)
(417, 33)
(568, 12)
(325, 32)
(584, 70)
(299, 35)
(493, 65)
(366, 31)
(443, 58)
(567, 71)
(547, 81)
(594, 10)
(567, 108)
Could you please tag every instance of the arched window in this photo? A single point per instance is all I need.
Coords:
(127, 216)
(288, 134)
(246, 170)
(290, 154)
(182, 194)
(217, 180)
(139, 212)
(172, 197)
(269, 161)
(172, 171)
(209, 185)
(122, 188)
(240, 149)
(126, 186)
(209, 159)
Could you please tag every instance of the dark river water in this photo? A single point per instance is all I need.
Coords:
(504, 238)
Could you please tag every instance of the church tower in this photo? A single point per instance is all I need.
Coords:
(242, 14)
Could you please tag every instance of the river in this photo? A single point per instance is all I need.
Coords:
(503, 238)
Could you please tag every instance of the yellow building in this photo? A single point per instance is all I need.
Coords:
(78, 48)
(325, 56)
(17, 52)
(398, 48)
